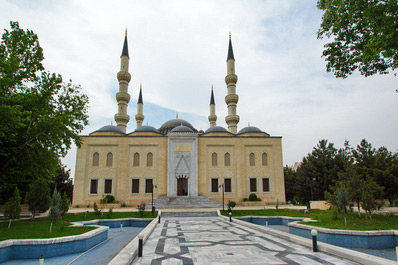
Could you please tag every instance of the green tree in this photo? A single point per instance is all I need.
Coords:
(38, 197)
(12, 209)
(62, 181)
(319, 171)
(40, 115)
(64, 205)
(291, 187)
(371, 197)
(55, 210)
(342, 199)
(365, 36)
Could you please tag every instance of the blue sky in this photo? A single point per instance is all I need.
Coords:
(178, 50)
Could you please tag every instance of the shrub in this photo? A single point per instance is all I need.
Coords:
(12, 208)
(252, 197)
(110, 213)
(334, 213)
(123, 205)
(107, 199)
(245, 199)
(141, 208)
(64, 203)
(258, 199)
(231, 205)
(97, 211)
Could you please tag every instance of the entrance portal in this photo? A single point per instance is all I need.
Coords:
(182, 187)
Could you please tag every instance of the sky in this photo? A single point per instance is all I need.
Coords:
(178, 50)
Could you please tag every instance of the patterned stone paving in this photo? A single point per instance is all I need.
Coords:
(212, 240)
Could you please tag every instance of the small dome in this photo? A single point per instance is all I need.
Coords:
(250, 129)
(171, 124)
(181, 129)
(216, 129)
(110, 128)
(146, 128)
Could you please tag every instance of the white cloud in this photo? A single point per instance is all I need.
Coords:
(178, 50)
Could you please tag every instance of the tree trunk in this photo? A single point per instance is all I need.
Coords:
(359, 209)
(345, 217)
(51, 226)
(9, 224)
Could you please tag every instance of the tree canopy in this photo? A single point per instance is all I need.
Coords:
(325, 169)
(365, 36)
(40, 114)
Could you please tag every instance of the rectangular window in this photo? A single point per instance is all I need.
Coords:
(253, 185)
(135, 186)
(228, 185)
(266, 187)
(148, 185)
(214, 185)
(93, 186)
(108, 186)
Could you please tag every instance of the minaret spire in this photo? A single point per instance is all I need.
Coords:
(232, 98)
(212, 117)
(123, 97)
(139, 117)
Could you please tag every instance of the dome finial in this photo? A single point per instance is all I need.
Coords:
(140, 85)
(126, 32)
(229, 35)
(177, 115)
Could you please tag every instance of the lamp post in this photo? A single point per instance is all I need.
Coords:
(153, 207)
(314, 233)
(222, 187)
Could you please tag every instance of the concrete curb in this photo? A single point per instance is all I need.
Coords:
(344, 253)
(129, 252)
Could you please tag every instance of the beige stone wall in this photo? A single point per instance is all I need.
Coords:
(123, 171)
(239, 147)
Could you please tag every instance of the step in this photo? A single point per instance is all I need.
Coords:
(189, 214)
(165, 202)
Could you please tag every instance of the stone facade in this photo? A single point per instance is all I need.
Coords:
(178, 160)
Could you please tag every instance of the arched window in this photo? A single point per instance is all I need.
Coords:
(149, 159)
(95, 159)
(136, 162)
(227, 159)
(252, 159)
(214, 159)
(265, 159)
(109, 159)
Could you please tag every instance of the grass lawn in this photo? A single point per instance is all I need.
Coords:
(379, 222)
(40, 228)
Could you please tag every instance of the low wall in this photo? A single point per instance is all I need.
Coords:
(272, 220)
(319, 205)
(348, 238)
(52, 247)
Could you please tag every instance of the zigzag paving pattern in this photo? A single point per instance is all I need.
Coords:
(212, 240)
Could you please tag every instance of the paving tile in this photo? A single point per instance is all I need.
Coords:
(212, 240)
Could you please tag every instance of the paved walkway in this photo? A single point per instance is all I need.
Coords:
(212, 240)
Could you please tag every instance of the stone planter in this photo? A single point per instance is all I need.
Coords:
(252, 203)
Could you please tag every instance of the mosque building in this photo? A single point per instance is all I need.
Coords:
(176, 159)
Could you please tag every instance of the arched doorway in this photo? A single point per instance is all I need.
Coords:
(182, 185)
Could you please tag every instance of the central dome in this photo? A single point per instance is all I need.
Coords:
(171, 124)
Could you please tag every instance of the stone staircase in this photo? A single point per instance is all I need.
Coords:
(189, 214)
(181, 202)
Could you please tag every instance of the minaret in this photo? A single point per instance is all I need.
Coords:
(212, 117)
(139, 117)
(232, 98)
(123, 96)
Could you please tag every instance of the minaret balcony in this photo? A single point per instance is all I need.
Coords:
(231, 98)
(212, 118)
(231, 79)
(123, 76)
(122, 96)
(232, 119)
(122, 118)
(139, 117)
